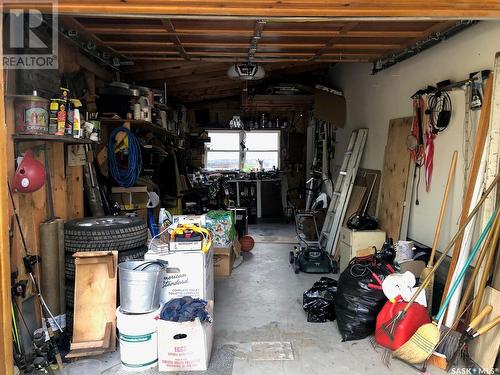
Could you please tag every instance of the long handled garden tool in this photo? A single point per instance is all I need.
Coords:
(449, 337)
(464, 350)
(490, 247)
(468, 333)
(422, 344)
(44, 309)
(390, 326)
(427, 270)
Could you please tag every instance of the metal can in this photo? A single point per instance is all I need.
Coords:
(58, 113)
(32, 116)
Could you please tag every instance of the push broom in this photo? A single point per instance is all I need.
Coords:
(422, 344)
(390, 326)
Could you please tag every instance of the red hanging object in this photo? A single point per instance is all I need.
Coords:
(429, 158)
(418, 150)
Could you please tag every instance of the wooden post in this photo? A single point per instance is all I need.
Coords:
(6, 355)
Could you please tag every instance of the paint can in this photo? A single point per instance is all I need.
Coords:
(138, 339)
(32, 116)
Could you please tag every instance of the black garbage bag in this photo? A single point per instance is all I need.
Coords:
(319, 301)
(356, 304)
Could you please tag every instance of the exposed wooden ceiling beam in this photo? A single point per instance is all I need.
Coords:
(173, 66)
(272, 8)
(175, 39)
(149, 52)
(343, 31)
(434, 28)
(257, 59)
(299, 32)
(220, 72)
(70, 23)
(134, 43)
(168, 73)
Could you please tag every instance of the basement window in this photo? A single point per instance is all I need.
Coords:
(224, 152)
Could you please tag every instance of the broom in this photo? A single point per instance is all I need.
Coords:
(422, 344)
(390, 326)
(449, 337)
(427, 270)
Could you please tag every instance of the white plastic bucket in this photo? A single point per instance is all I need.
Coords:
(138, 340)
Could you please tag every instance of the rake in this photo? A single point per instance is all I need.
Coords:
(389, 327)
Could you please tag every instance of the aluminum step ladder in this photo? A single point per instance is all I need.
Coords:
(342, 191)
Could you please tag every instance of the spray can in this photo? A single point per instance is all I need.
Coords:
(77, 130)
(68, 128)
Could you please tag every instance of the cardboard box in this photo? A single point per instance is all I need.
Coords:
(189, 273)
(224, 258)
(223, 261)
(185, 346)
(132, 198)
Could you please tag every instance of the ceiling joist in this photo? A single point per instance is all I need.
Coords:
(320, 9)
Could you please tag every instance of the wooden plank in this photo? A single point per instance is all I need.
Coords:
(58, 179)
(70, 23)
(484, 349)
(481, 135)
(282, 8)
(394, 177)
(175, 38)
(6, 358)
(95, 301)
(257, 59)
(74, 188)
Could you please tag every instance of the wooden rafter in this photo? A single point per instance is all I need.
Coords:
(329, 44)
(175, 38)
(70, 23)
(437, 9)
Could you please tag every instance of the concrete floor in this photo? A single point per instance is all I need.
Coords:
(262, 302)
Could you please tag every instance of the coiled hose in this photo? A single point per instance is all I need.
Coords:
(125, 177)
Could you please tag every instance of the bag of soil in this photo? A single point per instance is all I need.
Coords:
(319, 301)
(356, 304)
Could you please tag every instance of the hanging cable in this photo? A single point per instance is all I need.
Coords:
(125, 177)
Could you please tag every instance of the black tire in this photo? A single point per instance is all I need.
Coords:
(70, 294)
(335, 267)
(296, 268)
(119, 233)
(291, 257)
(122, 257)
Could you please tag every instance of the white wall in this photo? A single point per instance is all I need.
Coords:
(373, 100)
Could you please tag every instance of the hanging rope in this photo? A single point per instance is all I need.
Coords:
(125, 177)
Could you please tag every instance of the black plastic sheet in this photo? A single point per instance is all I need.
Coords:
(319, 301)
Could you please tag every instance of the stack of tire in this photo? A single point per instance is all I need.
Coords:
(127, 235)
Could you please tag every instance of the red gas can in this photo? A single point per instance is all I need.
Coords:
(415, 317)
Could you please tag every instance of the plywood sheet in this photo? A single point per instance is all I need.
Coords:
(394, 177)
(95, 301)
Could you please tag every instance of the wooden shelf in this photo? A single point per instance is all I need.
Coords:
(266, 103)
(50, 138)
(140, 124)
